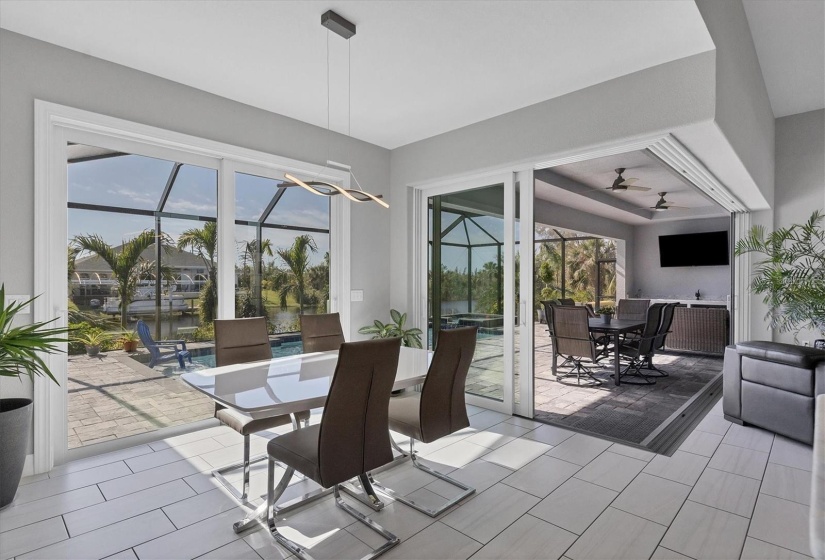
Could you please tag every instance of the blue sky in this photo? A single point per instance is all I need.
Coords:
(135, 181)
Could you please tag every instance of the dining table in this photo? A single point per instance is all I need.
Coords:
(290, 385)
(614, 329)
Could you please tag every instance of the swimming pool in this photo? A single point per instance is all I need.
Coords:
(207, 359)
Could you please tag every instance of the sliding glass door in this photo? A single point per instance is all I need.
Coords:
(469, 272)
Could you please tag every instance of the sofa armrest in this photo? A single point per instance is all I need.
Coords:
(788, 354)
(732, 383)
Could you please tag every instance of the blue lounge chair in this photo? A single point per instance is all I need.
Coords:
(155, 348)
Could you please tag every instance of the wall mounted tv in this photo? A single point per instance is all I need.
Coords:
(694, 249)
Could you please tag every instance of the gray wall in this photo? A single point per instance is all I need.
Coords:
(800, 178)
(31, 69)
(652, 101)
(679, 282)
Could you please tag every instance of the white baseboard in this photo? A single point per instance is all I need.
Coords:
(28, 466)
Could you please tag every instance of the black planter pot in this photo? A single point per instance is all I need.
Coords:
(15, 428)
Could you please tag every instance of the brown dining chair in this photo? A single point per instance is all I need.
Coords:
(351, 439)
(439, 410)
(659, 341)
(637, 350)
(632, 309)
(572, 340)
(320, 333)
(239, 341)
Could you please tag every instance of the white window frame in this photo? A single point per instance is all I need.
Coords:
(55, 125)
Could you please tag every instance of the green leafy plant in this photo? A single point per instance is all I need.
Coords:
(605, 310)
(93, 338)
(395, 329)
(129, 336)
(19, 346)
(791, 276)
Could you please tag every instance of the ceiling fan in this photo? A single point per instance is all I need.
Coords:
(620, 184)
(663, 204)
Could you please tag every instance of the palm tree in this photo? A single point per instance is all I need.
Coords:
(296, 259)
(204, 243)
(255, 254)
(124, 264)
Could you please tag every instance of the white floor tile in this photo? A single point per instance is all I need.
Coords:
(786, 483)
(73, 481)
(551, 435)
(397, 518)
(455, 455)
(236, 550)
(127, 554)
(30, 537)
(436, 542)
(714, 424)
(17, 515)
(617, 534)
(33, 478)
(112, 511)
(634, 452)
(682, 467)
(173, 454)
(749, 438)
(490, 512)
(498, 435)
(701, 443)
(405, 478)
(726, 491)
(739, 460)
(663, 553)
(108, 540)
(703, 532)
(781, 522)
(332, 545)
(523, 422)
(653, 498)
(526, 539)
(760, 550)
(192, 541)
(151, 477)
(579, 449)
(487, 419)
(611, 470)
(517, 453)
(98, 460)
(187, 511)
(792, 454)
(263, 544)
(479, 475)
(574, 505)
(190, 437)
(541, 476)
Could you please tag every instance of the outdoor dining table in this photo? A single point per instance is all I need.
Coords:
(290, 385)
(615, 329)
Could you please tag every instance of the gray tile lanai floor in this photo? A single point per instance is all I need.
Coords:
(542, 492)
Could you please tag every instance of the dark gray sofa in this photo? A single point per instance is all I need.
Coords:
(773, 386)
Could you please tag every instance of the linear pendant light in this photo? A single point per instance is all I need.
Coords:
(346, 29)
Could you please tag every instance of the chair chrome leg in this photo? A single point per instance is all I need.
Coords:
(391, 539)
(245, 465)
(466, 490)
(365, 494)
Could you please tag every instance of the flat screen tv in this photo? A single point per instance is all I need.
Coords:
(694, 249)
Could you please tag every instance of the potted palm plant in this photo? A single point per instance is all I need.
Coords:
(791, 273)
(92, 339)
(130, 341)
(20, 354)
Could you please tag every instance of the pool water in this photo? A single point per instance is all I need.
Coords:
(285, 349)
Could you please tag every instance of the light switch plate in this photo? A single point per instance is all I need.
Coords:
(357, 295)
(26, 310)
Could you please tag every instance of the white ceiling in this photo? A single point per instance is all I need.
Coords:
(789, 36)
(583, 186)
(418, 68)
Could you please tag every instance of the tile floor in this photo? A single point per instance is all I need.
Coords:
(542, 492)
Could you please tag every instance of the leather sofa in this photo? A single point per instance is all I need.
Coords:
(773, 386)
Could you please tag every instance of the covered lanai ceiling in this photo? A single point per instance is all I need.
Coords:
(418, 68)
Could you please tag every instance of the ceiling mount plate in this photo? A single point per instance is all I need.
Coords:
(338, 24)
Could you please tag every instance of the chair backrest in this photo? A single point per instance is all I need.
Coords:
(590, 311)
(239, 341)
(353, 436)
(146, 338)
(320, 333)
(567, 301)
(548, 313)
(664, 326)
(442, 410)
(571, 332)
(632, 309)
(652, 320)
